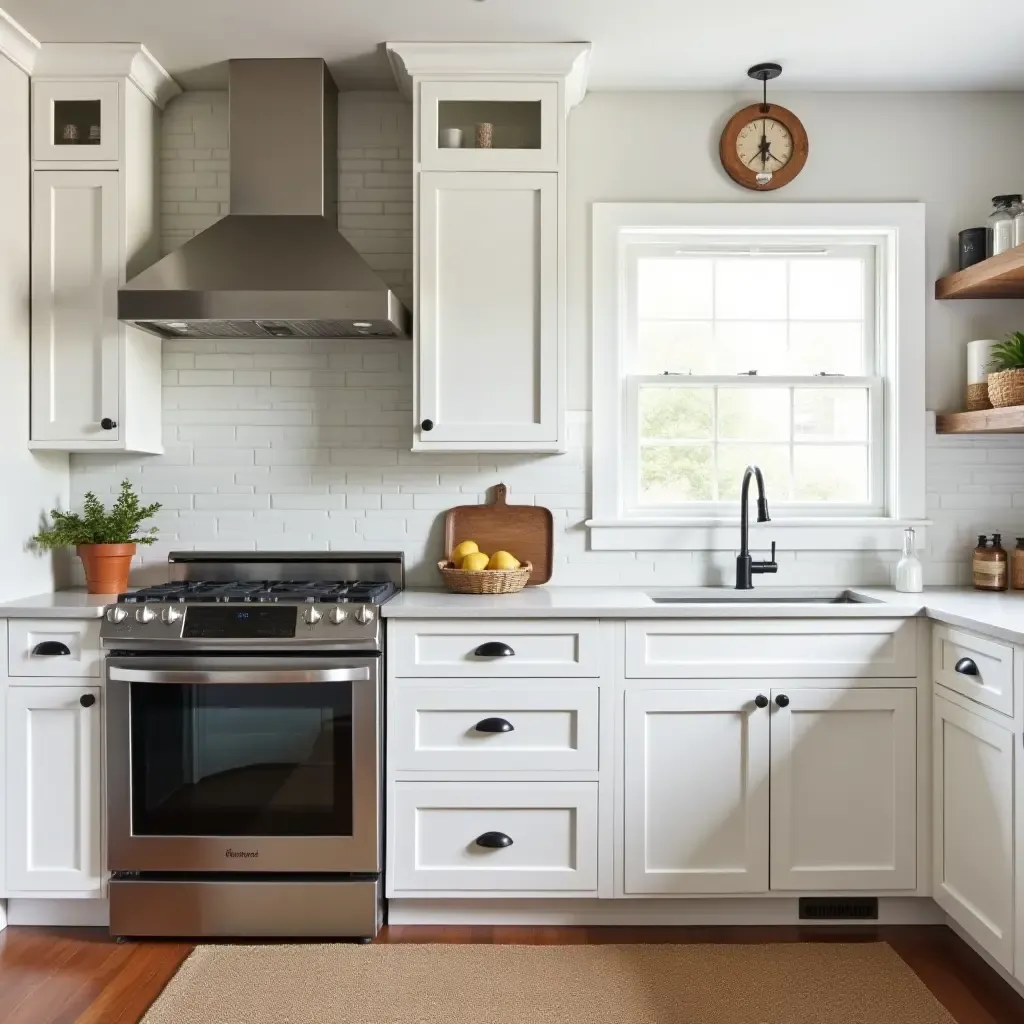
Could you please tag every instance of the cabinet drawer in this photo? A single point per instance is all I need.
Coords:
(974, 666)
(493, 648)
(487, 728)
(773, 648)
(438, 830)
(53, 647)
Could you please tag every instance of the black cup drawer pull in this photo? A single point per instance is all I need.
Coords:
(493, 840)
(494, 649)
(50, 649)
(494, 725)
(966, 667)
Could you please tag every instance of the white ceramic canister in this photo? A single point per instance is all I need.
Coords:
(451, 138)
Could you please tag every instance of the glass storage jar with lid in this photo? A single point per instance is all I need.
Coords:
(1018, 225)
(1000, 223)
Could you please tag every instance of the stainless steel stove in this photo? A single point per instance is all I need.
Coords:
(244, 746)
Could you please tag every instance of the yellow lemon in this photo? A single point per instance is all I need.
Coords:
(467, 547)
(474, 561)
(503, 560)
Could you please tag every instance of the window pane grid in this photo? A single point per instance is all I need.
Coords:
(684, 457)
(808, 314)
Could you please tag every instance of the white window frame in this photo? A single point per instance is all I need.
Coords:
(896, 231)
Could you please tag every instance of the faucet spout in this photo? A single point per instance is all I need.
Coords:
(745, 565)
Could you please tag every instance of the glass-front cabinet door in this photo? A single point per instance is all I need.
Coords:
(489, 126)
(244, 760)
(75, 120)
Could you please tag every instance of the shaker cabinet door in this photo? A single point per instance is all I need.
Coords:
(76, 265)
(844, 789)
(972, 854)
(696, 792)
(489, 372)
(54, 794)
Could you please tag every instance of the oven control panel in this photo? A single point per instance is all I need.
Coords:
(241, 623)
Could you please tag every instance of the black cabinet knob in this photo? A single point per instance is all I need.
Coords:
(761, 700)
(493, 840)
(494, 649)
(494, 725)
(782, 700)
(966, 667)
(107, 423)
(50, 649)
(87, 700)
(427, 425)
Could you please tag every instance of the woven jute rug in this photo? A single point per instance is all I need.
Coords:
(797, 983)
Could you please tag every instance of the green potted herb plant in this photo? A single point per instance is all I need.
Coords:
(105, 541)
(1006, 372)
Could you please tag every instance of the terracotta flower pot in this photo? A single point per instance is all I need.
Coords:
(106, 566)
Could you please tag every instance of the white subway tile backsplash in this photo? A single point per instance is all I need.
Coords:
(305, 444)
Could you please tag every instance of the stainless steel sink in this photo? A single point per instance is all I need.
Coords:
(747, 597)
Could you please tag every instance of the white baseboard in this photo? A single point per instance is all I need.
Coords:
(59, 913)
(1003, 973)
(751, 911)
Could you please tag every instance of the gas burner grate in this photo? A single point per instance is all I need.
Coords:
(263, 591)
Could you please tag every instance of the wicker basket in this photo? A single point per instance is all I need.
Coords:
(977, 397)
(484, 581)
(1006, 388)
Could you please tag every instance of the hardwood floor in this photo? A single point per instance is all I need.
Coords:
(62, 976)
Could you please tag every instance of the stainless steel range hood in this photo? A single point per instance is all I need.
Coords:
(276, 266)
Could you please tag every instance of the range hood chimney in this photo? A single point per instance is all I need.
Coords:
(276, 265)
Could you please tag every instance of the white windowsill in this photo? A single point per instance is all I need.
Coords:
(723, 534)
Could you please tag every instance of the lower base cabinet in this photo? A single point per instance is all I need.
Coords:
(973, 825)
(54, 789)
(789, 788)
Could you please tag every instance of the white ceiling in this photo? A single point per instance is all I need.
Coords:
(638, 44)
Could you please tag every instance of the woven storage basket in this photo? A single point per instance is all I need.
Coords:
(977, 397)
(1006, 388)
(484, 581)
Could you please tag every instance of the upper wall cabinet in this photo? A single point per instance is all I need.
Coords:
(75, 121)
(95, 223)
(489, 158)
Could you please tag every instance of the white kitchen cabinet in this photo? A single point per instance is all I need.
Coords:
(54, 789)
(843, 789)
(488, 352)
(972, 855)
(489, 320)
(95, 383)
(696, 791)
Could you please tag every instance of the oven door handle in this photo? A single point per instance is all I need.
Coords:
(193, 676)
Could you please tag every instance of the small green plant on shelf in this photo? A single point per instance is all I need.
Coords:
(95, 525)
(1006, 372)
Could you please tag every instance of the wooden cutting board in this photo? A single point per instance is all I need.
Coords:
(525, 530)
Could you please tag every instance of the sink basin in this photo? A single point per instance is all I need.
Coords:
(748, 597)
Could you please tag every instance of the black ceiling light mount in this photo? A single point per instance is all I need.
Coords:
(764, 73)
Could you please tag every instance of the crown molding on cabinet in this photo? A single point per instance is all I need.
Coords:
(502, 61)
(108, 60)
(16, 44)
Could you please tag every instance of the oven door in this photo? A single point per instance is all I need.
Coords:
(250, 764)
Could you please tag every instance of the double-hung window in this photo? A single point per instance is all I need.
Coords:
(776, 336)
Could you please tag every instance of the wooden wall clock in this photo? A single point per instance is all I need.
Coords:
(764, 146)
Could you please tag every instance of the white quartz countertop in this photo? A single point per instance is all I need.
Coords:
(998, 614)
(64, 604)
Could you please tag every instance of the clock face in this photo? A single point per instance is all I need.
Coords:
(764, 145)
(763, 149)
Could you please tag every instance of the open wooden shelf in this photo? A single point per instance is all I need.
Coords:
(998, 277)
(982, 421)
